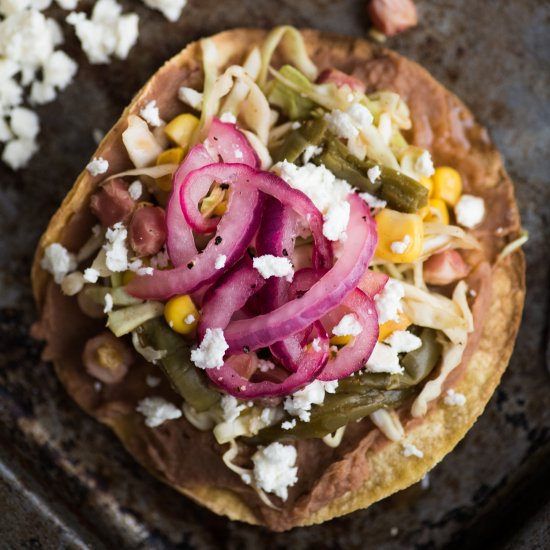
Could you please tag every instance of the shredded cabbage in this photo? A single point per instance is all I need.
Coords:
(334, 440)
(294, 48)
(151, 171)
(514, 245)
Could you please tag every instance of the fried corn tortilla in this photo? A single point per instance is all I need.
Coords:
(366, 467)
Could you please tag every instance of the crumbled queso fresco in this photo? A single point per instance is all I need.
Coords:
(58, 261)
(388, 302)
(33, 70)
(209, 354)
(410, 450)
(470, 211)
(348, 326)
(299, 403)
(157, 411)
(275, 469)
(97, 166)
(326, 191)
(454, 399)
(273, 266)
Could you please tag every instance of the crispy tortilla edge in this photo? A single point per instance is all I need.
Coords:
(389, 470)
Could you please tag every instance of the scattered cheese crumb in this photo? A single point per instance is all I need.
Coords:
(374, 173)
(275, 468)
(97, 166)
(152, 381)
(327, 192)
(116, 257)
(383, 359)
(157, 411)
(424, 165)
(150, 113)
(220, 261)
(191, 97)
(373, 202)
(97, 135)
(91, 275)
(58, 261)
(403, 341)
(315, 344)
(311, 151)
(470, 211)
(388, 302)
(341, 124)
(107, 32)
(228, 117)
(288, 424)
(349, 325)
(135, 190)
(108, 303)
(454, 399)
(299, 403)
(410, 450)
(360, 115)
(400, 247)
(171, 9)
(265, 366)
(190, 319)
(231, 408)
(211, 350)
(273, 266)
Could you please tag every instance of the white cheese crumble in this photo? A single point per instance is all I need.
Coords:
(220, 261)
(231, 408)
(116, 253)
(97, 166)
(275, 468)
(360, 115)
(336, 220)
(341, 124)
(157, 411)
(349, 325)
(388, 302)
(274, 266)
(411, 450)
(373, 202)
(454, 399)
(470, 211)
(288, 424)
(58, 261)
(31, 69)
(108, 303)
(171, 9)
(150, 113)
(190, 319)
(152, 381)
(107, 32)
(265, 366)
(299, 403)
(403, 341)
(383, 359)
(315, 344)
(374, 173)
(309, 152)
(400, 247)
(424, 165)
(210, 353)
(135, 190)
(191, 97)
(327, 192)
(228, 117)
(91, 275)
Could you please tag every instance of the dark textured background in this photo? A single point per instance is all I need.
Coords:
(66, 482)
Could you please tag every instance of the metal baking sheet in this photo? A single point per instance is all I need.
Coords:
(65, 481)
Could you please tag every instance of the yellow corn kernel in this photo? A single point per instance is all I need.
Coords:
(391, 326)
(340, 340)
(447, 185)
(180, 129)
(127, 276)
(170, 156)
(428, 184)
(178, 311)
(400, 236)
(437, 212)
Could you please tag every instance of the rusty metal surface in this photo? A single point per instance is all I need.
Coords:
(65, 481)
